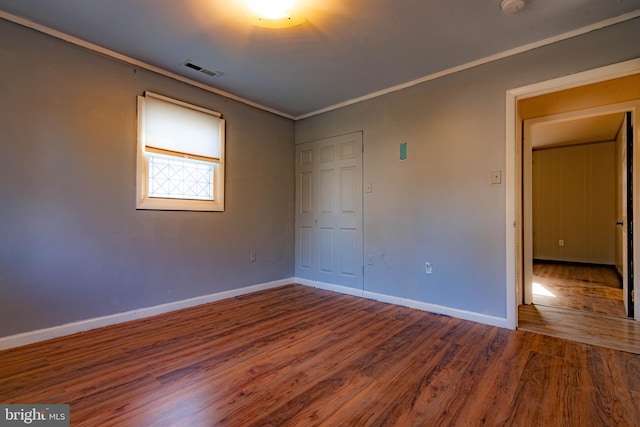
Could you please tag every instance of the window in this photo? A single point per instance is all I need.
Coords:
(180, 159)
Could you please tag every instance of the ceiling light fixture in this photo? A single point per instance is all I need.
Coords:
(275, 13)
(271, 9)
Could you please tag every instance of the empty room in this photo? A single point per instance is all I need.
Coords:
(325, 213)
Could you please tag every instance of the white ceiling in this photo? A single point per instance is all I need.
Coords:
(345, 50)
(577, 131)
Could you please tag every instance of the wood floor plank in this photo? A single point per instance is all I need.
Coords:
(380, 364)
(608, 408)
(468, 379)
(298, 356)
(607, 331)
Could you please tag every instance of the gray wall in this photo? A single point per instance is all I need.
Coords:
(439, 205)
(72, 245)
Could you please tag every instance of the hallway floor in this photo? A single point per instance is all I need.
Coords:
(594, 289)
(579, 303)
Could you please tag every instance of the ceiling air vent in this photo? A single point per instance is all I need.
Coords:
(193, 66)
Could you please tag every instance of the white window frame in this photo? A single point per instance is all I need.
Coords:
(143, 200)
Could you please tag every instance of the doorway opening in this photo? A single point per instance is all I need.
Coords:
(577, 203)
(618, 85)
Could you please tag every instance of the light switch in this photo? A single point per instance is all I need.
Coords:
(369, 187)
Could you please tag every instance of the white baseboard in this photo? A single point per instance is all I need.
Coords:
(441, 309)
(99, 322)
(329, 287)
(424, 306)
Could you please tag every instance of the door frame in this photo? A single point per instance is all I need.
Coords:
(514, 253)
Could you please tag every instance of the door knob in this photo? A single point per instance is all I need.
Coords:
(619, 223)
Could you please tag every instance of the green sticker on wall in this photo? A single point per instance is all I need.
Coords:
(403, 151)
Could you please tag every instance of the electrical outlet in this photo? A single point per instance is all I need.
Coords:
(428, 268)
(561, 242)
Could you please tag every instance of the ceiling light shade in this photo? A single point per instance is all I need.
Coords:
(511, 6)
(271, 9)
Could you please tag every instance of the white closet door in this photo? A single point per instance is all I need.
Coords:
(329, 239)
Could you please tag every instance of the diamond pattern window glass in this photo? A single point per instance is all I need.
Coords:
(180, 159)
(179, 179)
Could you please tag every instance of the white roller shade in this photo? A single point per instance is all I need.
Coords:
(175, 127)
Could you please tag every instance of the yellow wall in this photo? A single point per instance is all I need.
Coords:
(574, 199)
(579, 98)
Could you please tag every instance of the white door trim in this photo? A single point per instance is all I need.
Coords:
(513, 172)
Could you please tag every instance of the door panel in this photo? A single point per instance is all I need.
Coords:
(329, 238)
(629, 274)
(305, 246)
(348, 189)
(306, 193)
(326, 154)
(326, 249)
(304, 206)
(624, 221)
(326, 191)
(348, 249)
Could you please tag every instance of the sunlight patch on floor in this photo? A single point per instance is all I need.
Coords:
(538, 289)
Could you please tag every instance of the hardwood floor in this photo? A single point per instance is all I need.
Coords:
(298, 356)
(595, 289)
(619, 333)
